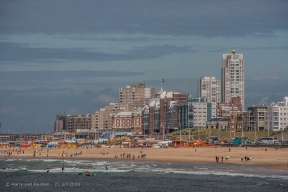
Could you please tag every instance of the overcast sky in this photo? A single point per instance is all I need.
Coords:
(73, 56)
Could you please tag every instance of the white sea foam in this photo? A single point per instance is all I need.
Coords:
(11, 159)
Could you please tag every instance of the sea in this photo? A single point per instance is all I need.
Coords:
(122, 175)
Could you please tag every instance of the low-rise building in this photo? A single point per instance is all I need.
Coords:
(234, 107)
(257, 118)
(277, 115)
(127, 121)
(200, 111)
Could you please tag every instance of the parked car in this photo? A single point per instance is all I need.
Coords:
(276, 142)
(259, 142)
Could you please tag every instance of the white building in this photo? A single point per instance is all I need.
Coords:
(232, 77)
(277, 115)
(209, 87)
(200, 111)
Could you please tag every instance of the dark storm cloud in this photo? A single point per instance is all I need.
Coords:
(210, 18)
(15, 52)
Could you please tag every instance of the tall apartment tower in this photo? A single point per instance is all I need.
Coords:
(232, 77)
(209, 87)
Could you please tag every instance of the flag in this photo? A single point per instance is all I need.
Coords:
(162, 80)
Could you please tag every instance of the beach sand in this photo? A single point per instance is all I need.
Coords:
(270, 158)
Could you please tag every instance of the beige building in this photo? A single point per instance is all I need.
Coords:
(232, 77)
(209, 87)
(135, 94)
(127, 121)
(85, 122)
(103, 117)
(131, 98)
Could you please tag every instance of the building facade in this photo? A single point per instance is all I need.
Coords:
(277, 115)
(200, 111)
(210, 88)
(60, 123)
(127, 122)
(135, 94)
(131, 98)
(160, 114)
(104, 116)
(257, 118)
(234, 107)
(232, 77)
(78, 122)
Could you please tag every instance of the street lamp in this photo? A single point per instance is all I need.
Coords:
(179, 124)
(255, 133)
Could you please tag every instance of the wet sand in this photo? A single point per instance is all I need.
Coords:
(272, 158)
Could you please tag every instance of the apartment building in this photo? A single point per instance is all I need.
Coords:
(210, 88)
(160, 114)
(135, 94)
(80, 122)
(277, 115)
(232, 77)
(257, 118)
(103, 117)
(200, 111)
(60, 123)
(131, 98)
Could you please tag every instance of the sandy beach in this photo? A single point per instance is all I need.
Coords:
(270, 158)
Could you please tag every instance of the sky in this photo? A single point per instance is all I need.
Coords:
(72, 56)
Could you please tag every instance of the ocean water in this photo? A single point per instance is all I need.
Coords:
(32, 175)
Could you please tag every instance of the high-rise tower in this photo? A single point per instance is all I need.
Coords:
(232, 77)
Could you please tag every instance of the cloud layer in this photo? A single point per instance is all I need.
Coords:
(73, 56)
